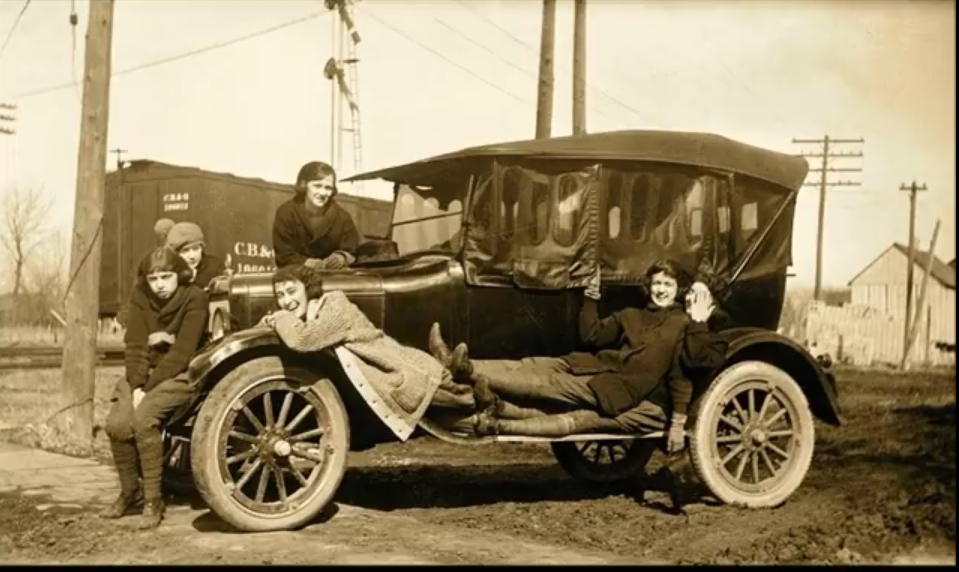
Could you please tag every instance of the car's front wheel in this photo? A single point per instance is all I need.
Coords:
(269, 445)
(752, 440)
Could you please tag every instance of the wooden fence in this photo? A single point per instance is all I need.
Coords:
(861, 335)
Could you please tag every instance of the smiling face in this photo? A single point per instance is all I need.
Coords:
(663, 289)
(319, 191)
(192, 253)
(163, 283)
(291, 296)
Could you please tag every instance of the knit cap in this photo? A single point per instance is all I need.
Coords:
(162, 228)
(184, 234)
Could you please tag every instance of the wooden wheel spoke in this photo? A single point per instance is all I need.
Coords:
(723, 439)
(596, 453)
(755, 460)
(732, 423)
(768, 462)
(739, 409)
(249, 474)
(261, 486)
(242, 436)
(767, 399)
(775, 417)
(781, 433)
(253, 420)
(284, 409)
(299, 417)
(241, 456)
(742, 465)
(280, 483)
(298, 475)
(268, 409)
(751, 397)
(777, 450)
(732, 454)
(307, 434)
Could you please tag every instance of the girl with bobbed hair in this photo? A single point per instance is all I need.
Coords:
(165, 327)
(312, 228)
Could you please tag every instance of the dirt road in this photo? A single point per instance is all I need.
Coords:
(881, 489)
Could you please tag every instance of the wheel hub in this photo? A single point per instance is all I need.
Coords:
(754, 437)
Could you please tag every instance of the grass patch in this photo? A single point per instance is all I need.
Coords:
(28, 400)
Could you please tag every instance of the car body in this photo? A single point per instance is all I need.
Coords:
(495, 243)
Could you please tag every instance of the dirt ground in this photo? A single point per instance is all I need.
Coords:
(881, 489)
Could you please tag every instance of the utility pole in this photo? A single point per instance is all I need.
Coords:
(913, 329)
(7, 119)
(80, 342)
(544, 100)
(910, 265)
(119, 153)
(823, 184)
(579, 68)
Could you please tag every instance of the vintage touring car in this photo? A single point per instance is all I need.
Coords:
(495, 243)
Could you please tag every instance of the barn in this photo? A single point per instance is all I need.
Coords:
(882, 285)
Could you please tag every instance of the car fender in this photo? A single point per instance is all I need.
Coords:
(815, 380)
(225, 348)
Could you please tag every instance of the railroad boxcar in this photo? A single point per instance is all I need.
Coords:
(235, 213)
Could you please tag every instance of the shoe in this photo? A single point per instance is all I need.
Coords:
(460, 365)
(152, 514)
(485, 424)
(123, 505)
(438, 346)
(486, 400)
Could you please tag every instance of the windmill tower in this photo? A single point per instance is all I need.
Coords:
(341, 70)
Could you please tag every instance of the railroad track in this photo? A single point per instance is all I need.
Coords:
(49, 357)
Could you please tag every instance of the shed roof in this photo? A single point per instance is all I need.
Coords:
(941, 271)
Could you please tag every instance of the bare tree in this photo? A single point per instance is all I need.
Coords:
(23, 225)
(45, 276)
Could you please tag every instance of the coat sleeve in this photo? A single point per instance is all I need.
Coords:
(701, 348)
(594, 331)
(188, 339)
(331, 326)
(136, 354)
(284, 238)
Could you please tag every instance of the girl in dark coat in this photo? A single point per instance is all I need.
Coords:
(312, 228)
(166, 325)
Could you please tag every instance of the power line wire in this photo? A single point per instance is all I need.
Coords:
(14, 27)
(500, 57)
(535, 50)
(184, 55)
(441, 56)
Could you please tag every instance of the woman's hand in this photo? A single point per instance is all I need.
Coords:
(676, 436)
(335, 261)
(157, 338)
(699, 302)
(138, 395)
(268, 320)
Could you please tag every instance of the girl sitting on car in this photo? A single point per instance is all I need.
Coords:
(166, 325)
(637, 376)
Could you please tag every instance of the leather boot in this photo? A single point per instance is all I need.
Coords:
(438, 346)
(460, 365)
(123, 505)
(152, 513)
(125, 460)
(486, 400)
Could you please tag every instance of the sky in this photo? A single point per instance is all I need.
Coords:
(439, 75)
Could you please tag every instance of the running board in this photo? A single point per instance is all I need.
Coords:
(466, 439)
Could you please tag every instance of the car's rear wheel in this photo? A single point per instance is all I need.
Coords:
(607, 461)
(752, 440)
(269, 445)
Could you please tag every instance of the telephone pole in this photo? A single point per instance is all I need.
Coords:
(827, 155)
(910, 266)
(81, 301)
(119, 153)
(579, 68)
(7, 119)
(341, 70)
(544, 100)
